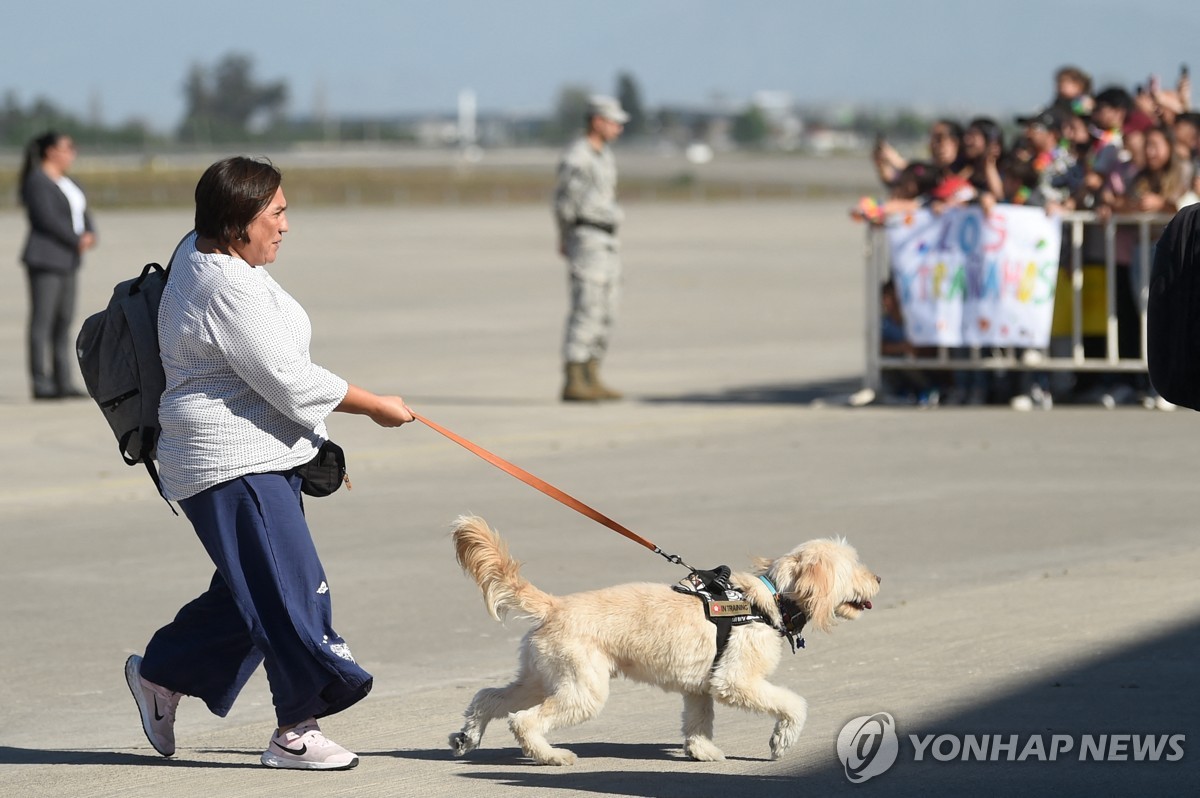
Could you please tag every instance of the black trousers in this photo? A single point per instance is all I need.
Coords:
(52, 363)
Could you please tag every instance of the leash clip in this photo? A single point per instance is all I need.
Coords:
(673, 558)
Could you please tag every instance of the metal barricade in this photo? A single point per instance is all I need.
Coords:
(1074, 359)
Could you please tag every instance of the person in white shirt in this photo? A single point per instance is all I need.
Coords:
(60, 231)
(244, 409)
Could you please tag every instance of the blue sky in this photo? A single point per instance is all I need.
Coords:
(129, 58)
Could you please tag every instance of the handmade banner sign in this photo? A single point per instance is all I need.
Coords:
(965, 279)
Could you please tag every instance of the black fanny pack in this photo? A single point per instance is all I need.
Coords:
(326, 472)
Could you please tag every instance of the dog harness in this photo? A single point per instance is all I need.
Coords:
(727, 607)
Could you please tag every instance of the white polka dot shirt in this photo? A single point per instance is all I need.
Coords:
(242, 395)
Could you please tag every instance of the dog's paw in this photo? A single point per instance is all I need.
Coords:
(460, 743)
(556, 756)
(703, 750)
(785, 734)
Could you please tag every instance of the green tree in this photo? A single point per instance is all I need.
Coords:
(910, 125)
(750, 128)
(226, 103)
(19, 124)
(630, 98)
(570, 114)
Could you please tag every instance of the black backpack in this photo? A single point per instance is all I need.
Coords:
(122, 369)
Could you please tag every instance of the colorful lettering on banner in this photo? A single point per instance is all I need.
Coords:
(968, 280)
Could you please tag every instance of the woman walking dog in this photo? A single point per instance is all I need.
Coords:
(243, 411)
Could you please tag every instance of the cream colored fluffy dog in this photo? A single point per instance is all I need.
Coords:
(653, 634)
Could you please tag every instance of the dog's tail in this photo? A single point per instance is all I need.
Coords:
(483, 555)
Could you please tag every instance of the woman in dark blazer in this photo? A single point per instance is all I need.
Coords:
(60, 231)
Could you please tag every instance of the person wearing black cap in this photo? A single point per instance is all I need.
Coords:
(1047, 117)
(1105, 157)
(587, 215)
(1050, 159)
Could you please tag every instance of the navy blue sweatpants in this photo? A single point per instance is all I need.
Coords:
(268, 602)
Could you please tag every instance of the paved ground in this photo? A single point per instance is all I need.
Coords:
(1039, 569)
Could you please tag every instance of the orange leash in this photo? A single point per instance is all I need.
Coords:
(549, 490)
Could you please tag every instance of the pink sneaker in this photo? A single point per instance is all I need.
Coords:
(155, 704)
(304, 747)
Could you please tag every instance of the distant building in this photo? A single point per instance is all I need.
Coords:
(779, 108)
(825, 141)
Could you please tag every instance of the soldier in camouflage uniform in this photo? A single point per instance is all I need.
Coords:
(585, 208)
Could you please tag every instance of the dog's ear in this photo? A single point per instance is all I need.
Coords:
(814, 589)
(761, 566)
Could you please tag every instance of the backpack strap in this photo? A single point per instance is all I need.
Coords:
(153, 472)
(149, 438)
(143, 330)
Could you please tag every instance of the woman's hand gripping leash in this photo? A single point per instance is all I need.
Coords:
(386, 411)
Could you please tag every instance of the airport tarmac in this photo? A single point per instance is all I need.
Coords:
(1039, 569)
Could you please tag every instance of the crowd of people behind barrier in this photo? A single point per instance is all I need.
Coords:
(1106, 151)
